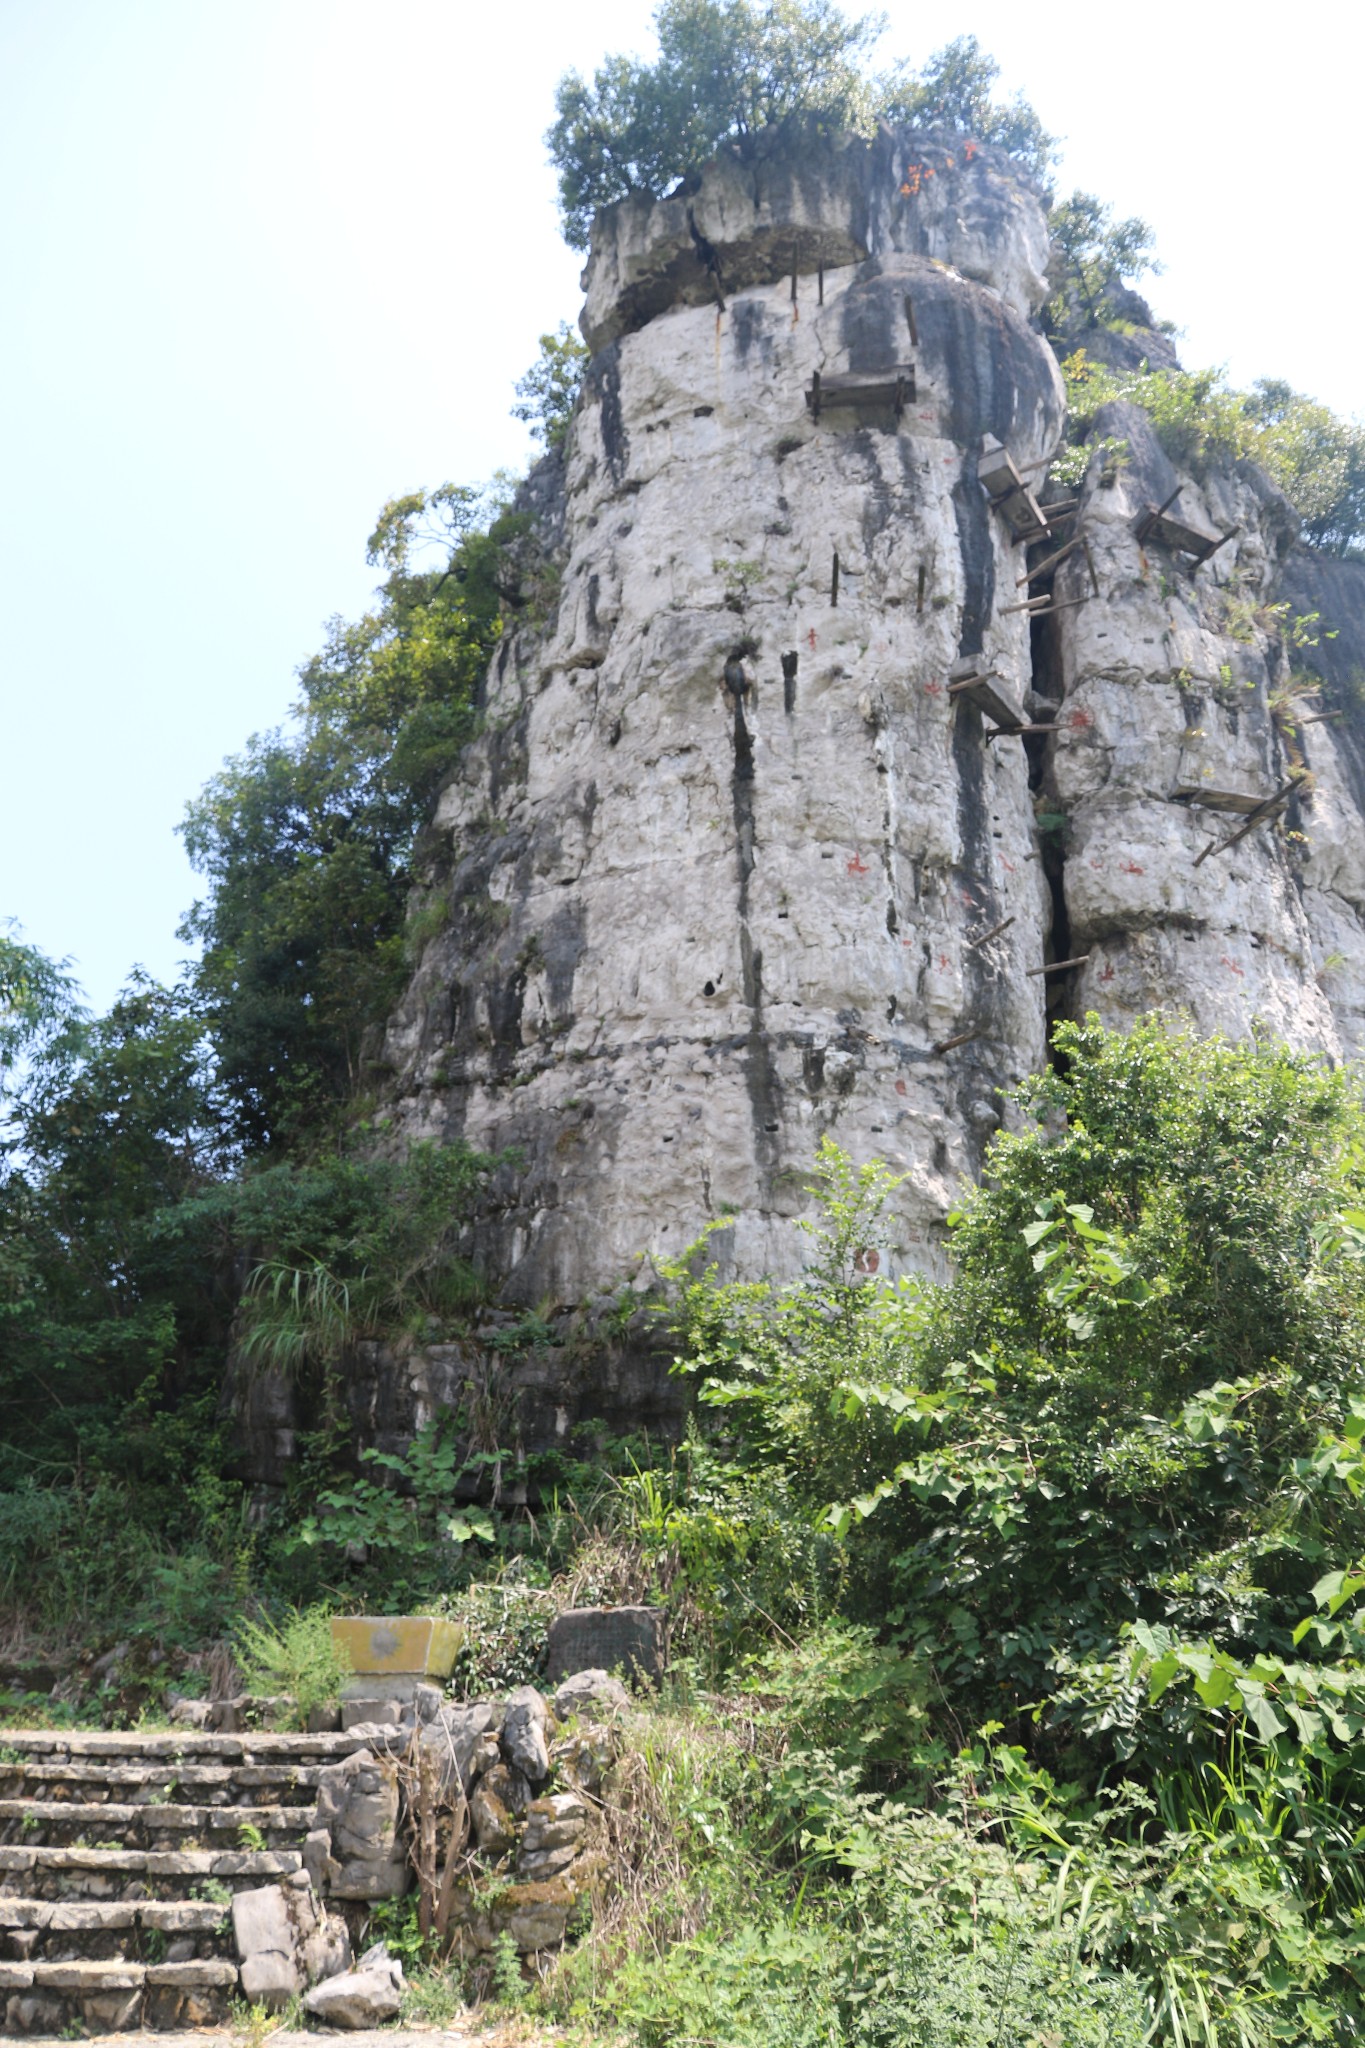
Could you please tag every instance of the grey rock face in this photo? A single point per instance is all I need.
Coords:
(357, 1813)
(730, 868)
(524, 1735)
(1171, 687)
(554, 1833)
(285, 1941)
(592, 1695)
(750, 225)
(704, 928)
(366, 1996)
(492, 1823)
(458, 1737)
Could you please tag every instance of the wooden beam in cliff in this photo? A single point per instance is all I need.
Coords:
(877, 391)
(1269, 807)
(1008, 492)
(1155, 522)
(968, 679)
(1245, 803)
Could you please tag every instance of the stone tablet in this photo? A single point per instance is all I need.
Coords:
(626, 1639)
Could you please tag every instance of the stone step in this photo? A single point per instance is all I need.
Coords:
(113, 1997)
(189, 1745)
(120, 1855)
(114, 1930)
(55, 1873)
(214, 1784)
(45, 1823)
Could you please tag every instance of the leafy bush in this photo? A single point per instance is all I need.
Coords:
(407, 1521)
(1317, 458)
(1094, 258)
(350, 1248)
(505, 1622)
(293, 1655)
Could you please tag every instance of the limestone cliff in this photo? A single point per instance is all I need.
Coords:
(734, 863)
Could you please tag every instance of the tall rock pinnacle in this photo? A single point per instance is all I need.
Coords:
(747, 850)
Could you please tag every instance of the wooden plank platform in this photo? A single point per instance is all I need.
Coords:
(1008, 492)
(1156, 523)
(981, 687)
(877, 390)
(1244, 802)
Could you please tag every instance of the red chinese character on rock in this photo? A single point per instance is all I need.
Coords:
(858, 866)
(968, 151)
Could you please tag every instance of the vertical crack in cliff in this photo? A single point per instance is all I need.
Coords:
(760, 1071)
(982, 1003)
(1049, 689)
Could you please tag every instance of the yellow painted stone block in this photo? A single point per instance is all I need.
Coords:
(393, 1643)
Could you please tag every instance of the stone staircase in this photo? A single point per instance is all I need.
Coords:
(119, 1855)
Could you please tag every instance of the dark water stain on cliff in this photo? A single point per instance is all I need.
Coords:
(868, 324)
(748, 325)
(602, 381)
(563, 939)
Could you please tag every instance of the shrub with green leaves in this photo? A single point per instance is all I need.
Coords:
(295, 1655)
(1110, 1416)
(1316, 457)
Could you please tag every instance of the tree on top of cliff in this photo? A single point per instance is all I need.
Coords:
(955, 90)
(752, 76)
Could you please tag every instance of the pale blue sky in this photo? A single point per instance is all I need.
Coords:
(264, 266)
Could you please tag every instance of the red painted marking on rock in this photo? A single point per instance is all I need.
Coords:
(858, 866)
(901, 1088)
(867, 1260)
(1130, 867)
(1107, 972)
(1080, 721)
(1231, 965)
(810, 637)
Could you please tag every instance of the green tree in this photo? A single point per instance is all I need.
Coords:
(1318, 460)
(106, 1328)
(759, 77)
(1316, 457)
(955, 90)
(42, 1017)
(549, 390)
(1094, 258)
(306, 839)
(729, 72)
